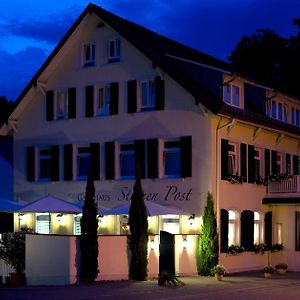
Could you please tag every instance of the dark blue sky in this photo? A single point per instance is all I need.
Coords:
(30, 29)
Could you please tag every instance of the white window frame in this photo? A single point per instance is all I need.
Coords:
(231, 88)
(76, 224)
(126, 153)
(279, 163)
(258, 228)
(104, 110)
(295, 116)
(92, 54)
(233, 228)
(169, 150)
(64, 113)
(273, 110)
(43, 226)
(80, 156)
(43, 157)
(233, 157)
(258, 156)
(114, 44)
(147, 100)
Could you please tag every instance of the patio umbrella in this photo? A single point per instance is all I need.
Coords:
(153, 209)
(51, 204)
(9, 206)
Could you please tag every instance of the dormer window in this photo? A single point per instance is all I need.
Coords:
(277, 110)
(114, 50)
(89, 55)
(231, 95)
(295, 117)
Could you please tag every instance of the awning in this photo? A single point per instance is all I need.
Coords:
(281, 201)
(9, 206)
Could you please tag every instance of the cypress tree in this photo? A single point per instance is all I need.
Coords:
(208, 246)
(139, 233)
(89, 238)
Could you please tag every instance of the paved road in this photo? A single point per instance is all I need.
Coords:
(243, 286)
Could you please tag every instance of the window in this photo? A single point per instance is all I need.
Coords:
(42, 223)
(77, 226)
(147, 95)
(170, 223)
(44, 155)
(231, 95)
(89, 51)
(114, 50)
(103, 100)
(279, 163)
(171, 159)
(295, 117)
(258, 228)
(278, 233)
(62, 100)
(233, 230)
(232, 159)
(83, 162)
(127, 161)
(277, 110)
(257, 163)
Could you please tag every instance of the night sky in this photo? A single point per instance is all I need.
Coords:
(30, 29)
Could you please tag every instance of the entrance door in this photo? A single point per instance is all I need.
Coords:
(166, 253)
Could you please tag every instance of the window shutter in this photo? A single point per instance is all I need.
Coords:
(243, 152)
(267, 163)
(49, 105)
(72, 103)
(273, 161)
(224, 159)
(247, 229)
(251, 164)
(295, 165)
(224, 230)
(139, 146)
(152, 158)
(186, 156)
(268, 229)
(89, 101)
(54, 163)
(159, 93)
(95, 160)
(110, 160)
(131, 96)
(255, 98)
(114, 98)
(68, 162)
(297, 241)
(30, 164)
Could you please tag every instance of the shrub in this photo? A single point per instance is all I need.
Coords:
(268, 269)
(218, 270)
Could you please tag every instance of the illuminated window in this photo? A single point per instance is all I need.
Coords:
(43, 223)
(232, 159)
(278, 233)
(233, 228)
(89, 51)
(231, 94)
(258, 228)
(170, 223)
(77, 226)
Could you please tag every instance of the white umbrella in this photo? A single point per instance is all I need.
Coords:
(153, 209)
(51, 204)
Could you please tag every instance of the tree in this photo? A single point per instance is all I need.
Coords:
(208, 246)
(139, 233)
(89, 238)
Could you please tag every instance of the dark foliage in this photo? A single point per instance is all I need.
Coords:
(139, 233)
(208, 246)
(88, 238)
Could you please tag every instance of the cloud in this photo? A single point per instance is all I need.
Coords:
(17, 69)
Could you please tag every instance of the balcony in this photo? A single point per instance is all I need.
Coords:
(284, 186)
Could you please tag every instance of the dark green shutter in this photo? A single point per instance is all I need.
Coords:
(224, 230)
(89, 101)
(131, 96)
(72, 103)
(295, 165)
(274, 162)
(247, 229)
(139, 146)
(243, 152)
(267, 163)
(186, 156)
(268, 229)
(49, 105)
(114, 98)
(110, 160)
(297, 238)
(224, 159)
(152, 158)
(159, 93)
(251, 164)
(30, 158)
(54, 163)
(68, 162)
(95, 160)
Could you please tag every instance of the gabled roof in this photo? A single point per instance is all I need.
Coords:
(177, 60)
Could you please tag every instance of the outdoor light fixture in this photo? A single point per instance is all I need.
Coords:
(99, 218)
(191, 219)
(59, 217)
(184, 242)
(152, 244)
(21, 217)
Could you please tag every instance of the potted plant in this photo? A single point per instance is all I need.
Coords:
(268, 271)
(218, 271)
(12, 250)
(281, 268)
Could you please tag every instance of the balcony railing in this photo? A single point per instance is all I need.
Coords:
(289, 185)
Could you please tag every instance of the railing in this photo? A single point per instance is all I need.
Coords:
(5, 270)
(290, 185)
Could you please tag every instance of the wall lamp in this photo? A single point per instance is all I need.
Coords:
(21, 217)
(59, 217)
(191, 219)
(184, 242)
